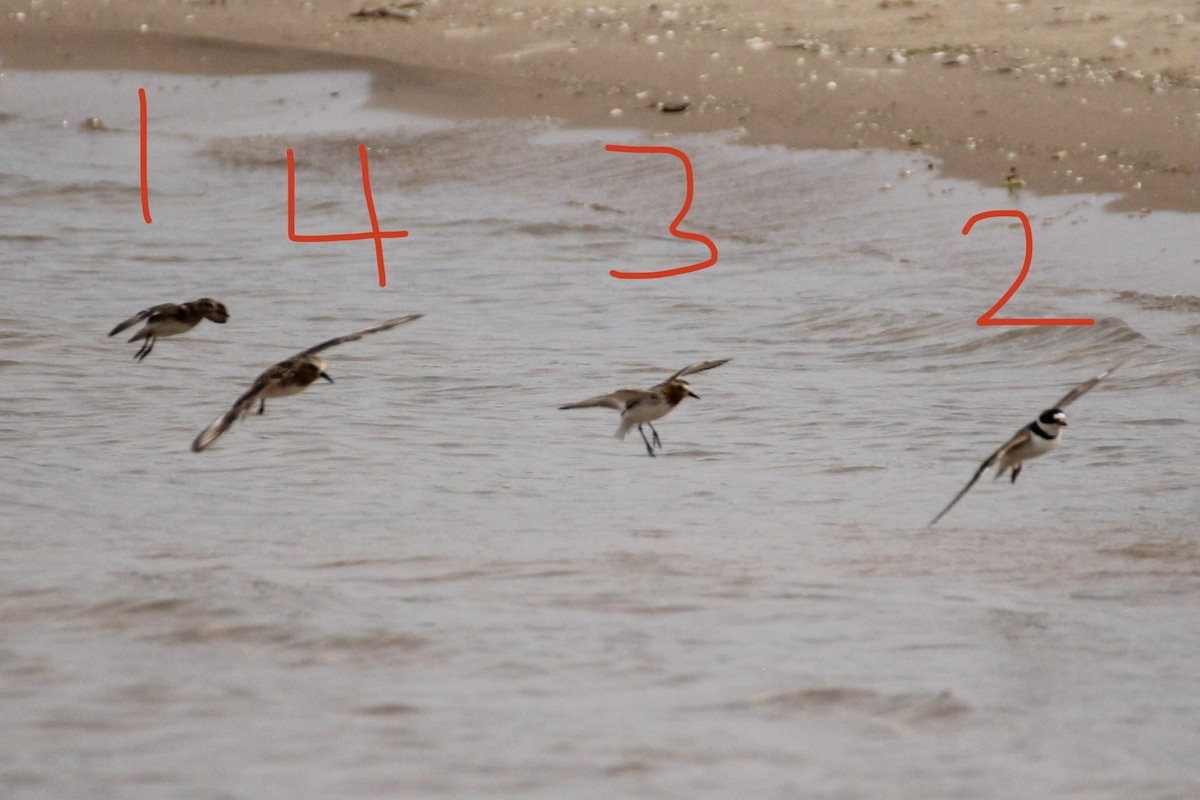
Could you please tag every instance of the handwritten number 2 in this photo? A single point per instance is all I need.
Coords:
(989, 316)
(674, 228)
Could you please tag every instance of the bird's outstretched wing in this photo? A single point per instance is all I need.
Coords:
(1022, 436)
(620, 400)
(236, 411)
(1085, 387)
(244, 403)
(1018, 438)
(350, 337)
(699, 366)
(145, 313)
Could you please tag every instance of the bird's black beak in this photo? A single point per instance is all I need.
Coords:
(325, 375)
(693, 394)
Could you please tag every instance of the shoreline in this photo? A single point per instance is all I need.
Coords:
(1102, 102)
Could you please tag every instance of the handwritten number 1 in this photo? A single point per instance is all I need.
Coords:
(988, 317)
(142, 149)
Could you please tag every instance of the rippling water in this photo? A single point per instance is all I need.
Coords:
(427, 581)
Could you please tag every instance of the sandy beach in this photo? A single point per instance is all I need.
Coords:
(1096, 97)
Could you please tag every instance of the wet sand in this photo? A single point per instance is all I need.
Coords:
(1101, 98)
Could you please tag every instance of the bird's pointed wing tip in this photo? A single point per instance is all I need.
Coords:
(699, 366)
(350, 337)
(1085, 387)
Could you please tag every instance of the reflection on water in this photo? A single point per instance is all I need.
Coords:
(425, 580)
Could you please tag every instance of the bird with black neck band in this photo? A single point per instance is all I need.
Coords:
(1035, 439)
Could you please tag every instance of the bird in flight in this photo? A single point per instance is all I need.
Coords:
(290, 376)
(642, 406)
(1035, 439)
(169, 319)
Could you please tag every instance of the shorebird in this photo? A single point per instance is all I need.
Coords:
(1035, 439)
(1013, 181)
(643, 406)
(169, 319)
(290, 376)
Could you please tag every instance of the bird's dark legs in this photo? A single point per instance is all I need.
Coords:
(656, 439)
(649, 449)
(1016, 471)
(262, 405)
(146, 348)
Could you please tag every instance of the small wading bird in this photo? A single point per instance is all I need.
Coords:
(170, 319)
(290, 376)
(642, 406)
(1013, 181)
(1038, 437)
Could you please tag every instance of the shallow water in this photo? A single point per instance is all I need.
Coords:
(427, 581)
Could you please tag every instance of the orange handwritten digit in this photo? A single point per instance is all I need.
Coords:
(374, 233)
(674, 228)
(988, 317)
(145, 183)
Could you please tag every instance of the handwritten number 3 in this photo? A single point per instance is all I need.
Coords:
(674, 228)
(988, 317)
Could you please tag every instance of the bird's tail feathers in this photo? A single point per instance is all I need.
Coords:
(592, 402)
(216, 428)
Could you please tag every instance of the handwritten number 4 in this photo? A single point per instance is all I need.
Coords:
(989, 316)
(374, 233)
